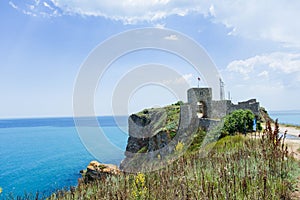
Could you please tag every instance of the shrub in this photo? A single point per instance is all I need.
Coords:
(239, 121)
(178, 103)
(198, 138)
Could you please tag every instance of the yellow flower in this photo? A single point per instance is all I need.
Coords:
(139, 187)
(179, 146)
(140, 179)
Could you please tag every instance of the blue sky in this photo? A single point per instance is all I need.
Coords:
(255, 46)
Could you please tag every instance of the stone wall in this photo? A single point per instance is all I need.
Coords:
(220, 108)
(208, 124)
(251, 104)
(203, 96)
(217, 109)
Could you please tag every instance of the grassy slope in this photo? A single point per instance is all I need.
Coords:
(235, 167)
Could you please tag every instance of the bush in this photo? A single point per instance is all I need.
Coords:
(178, 103)
(239, 121)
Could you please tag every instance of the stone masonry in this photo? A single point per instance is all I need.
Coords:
(210, 111)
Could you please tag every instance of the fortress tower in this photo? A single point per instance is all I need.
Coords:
(201, 100)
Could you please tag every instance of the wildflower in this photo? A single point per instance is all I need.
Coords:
(140, 180)
(179, 146)
(139, 187)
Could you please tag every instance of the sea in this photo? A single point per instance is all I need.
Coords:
(46, 154)
(291, 117)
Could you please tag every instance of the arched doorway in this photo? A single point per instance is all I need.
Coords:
(201, 109)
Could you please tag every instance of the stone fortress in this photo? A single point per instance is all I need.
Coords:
(210, 111)
(201, 111)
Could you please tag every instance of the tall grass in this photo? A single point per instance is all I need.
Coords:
(236, 167)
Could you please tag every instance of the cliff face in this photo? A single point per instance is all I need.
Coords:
(147, 134)
(264, 115)
(154, 134)
(147, 131)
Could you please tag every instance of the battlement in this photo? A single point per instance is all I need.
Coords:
(200, 99)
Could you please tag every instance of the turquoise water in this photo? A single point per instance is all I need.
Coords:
(47, 154)
(286, 117)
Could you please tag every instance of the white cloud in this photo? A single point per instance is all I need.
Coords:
(13, 5)
(128, 11)
(272, 78)
(47, 5)
(242, 66)
(212, 11)
(31, 7)
(188, 77)
(184, 79)
(256, 19)
(171, 37)
(286, 63)
(161, 26)
(269, 19)
(264, 74)
(36, 8)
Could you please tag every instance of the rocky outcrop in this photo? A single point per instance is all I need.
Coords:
(153, 136)
(96, 171)
(146, 131)
(264, 115)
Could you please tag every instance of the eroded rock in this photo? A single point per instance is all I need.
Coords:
(97, 171)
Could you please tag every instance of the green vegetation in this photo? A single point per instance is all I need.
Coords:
(172, 113)
(239, 121)
(172, 122)
(168, 123)
(197, 141)
(236, 167)
(143, 150)
(139, 187)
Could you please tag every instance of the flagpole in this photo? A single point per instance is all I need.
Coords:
(198, 81)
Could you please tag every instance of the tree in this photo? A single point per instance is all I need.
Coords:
(239, 121)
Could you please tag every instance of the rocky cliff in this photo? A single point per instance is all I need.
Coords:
(154, 134)
(264, 115)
